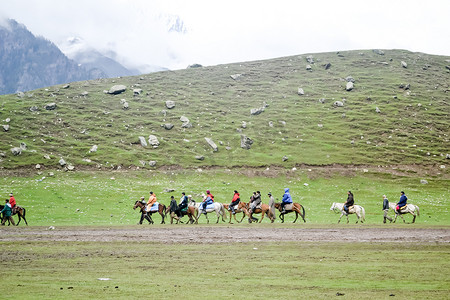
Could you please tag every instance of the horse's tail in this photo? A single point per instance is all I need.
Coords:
(224, 211)
(363, 214)
(304, 213)
(417, 208)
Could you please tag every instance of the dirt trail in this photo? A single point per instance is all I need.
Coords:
(226, 234)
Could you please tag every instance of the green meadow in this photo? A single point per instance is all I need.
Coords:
(107, 198)
(282, 270)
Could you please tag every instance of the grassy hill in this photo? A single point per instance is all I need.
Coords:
(411, 127)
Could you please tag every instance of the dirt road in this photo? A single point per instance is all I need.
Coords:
(225, 234)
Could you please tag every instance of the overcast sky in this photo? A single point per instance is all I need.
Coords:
(234, 31)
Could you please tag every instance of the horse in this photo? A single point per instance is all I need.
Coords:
(355, 209)
(241, 207)
(173, 208)
(219, 209)
(19, 211)
(296, 207)
(264, 209)
(148, 215)
(410, 209)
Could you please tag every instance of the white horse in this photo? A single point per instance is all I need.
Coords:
(355, 209)
(217, 208)
(409, 209)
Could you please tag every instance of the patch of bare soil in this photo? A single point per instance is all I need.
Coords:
(226, 234)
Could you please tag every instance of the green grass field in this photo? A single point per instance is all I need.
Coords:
(106, 198)
(283, 270)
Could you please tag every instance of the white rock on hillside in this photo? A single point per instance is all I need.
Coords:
(153, 141)
(212, 144)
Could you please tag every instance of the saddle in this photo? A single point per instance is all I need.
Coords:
(403, 207)
(153, 208)
(289, 206)
(351, 209)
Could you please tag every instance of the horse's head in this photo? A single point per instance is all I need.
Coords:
(138, 203)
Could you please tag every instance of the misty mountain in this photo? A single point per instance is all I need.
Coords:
(28, 62)
(76, 49)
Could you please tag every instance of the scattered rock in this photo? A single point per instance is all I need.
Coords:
(152, 163)
(300, 91)
(51, 174)
(246, 142)
(322, 100)
(168, 126)
(338, 104)
(50, 106)
(34, 108)
(285, 158)
(169, 190)
(5, 127)
(194, 66)
(236, 76)
(308, 68)
(23, 146)
(117, 89)
(350, 79)
(257, 111)
(447, 156)
(70, 168)
(282, 123)
(423, 181)
(199, 157)
(153, 141)
(125, 105)
(66, 86)
(170, 104)
(20, 94)
(38, 167)
(404, 64)
(62, 162)
(186, 125)
(270, 124)
(46, 156)
(93, 149)
(349, 86)
(142, 141)
(137, 92)
(379, 52)
(310, 59)
(184, 119)
(377, 110)
(16, 151)
(84, 94)
(244, 124)
(327, 66)
(320, 125)
(212, 144)
(8, 120)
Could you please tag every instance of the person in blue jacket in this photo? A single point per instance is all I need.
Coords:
(287, 199)
(402, 201)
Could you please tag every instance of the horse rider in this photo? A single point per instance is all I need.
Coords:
(271, 203)
(234, 203)
(183, 204)
(287, 199)
(12, 202)
(386, 209)
(151, 200)
(207, 200)
(256, 201)
(350, 201)
(402, 201)
(7, 212)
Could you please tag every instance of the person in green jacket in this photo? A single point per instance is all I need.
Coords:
(7, 213)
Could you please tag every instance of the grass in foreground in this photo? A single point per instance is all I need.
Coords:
(283, 270)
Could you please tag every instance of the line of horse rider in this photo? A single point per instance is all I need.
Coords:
(10, 209)
(194, 210)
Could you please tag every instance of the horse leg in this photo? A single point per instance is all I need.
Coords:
(340, 218)
(282, 217)
(162, 217)
(296, 216)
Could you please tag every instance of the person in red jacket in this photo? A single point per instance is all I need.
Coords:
(234, 202)
(12, 202)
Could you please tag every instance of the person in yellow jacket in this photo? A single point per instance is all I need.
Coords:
(151, 200)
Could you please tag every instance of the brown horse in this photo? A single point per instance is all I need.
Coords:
(148, 215)
(19, 211)
(172, 210)
(242, 207)
(296, 207)
(264, 210)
